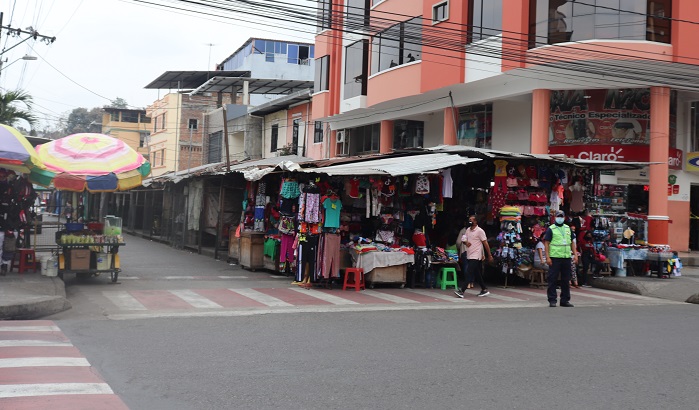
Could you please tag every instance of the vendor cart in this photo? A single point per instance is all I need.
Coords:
(90, 252)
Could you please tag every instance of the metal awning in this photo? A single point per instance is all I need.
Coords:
(190, 79)
(396, 166)
(281, 103)
(610, 165)
(255, 85)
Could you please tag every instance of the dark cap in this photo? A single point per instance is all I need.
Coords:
(560, 213)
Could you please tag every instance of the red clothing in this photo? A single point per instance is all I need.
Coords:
(586, 246)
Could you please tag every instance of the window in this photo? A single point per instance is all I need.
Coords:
(155, 124)
(269, 51)
(440, 12)
(365, 139)
(162, 121)
(694, 113)
(193, 124)
(114, 116)
(356, 69)
(295, 134)
(408, 134)
(144, 119)
(129, 116)
(144, 139)
(299, 54)
(558, 21)
(397, 45)
(158, 158)
(213, 152)
(485, 19)
(318, 132)
(275, 138)
(324, 14)
(475, 126)
(321, 82)
(357, 17)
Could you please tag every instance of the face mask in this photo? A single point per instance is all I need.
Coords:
(559, 221)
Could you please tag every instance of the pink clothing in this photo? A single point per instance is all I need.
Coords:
(475, 237)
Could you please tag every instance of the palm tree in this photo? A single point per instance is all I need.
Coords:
(10, 112)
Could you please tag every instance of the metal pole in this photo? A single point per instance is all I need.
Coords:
(225, 138)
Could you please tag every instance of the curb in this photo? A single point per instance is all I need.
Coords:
(37, 308)
(620, 286)
(693, 299)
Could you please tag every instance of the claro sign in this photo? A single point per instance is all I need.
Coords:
(623, 153)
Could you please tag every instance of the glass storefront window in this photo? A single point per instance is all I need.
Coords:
(559, 21)
(475, 126)
(408, 134)
(397, 45)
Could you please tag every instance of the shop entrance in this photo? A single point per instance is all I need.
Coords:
(694, 221)
(638, 198)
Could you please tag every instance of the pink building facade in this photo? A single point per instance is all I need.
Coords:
(591, 81)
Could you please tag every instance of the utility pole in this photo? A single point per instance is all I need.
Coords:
(16, 32)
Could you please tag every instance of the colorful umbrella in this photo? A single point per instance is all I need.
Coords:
(16, 153)
(96, 162)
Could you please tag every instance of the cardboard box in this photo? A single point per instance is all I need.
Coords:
(79, 259)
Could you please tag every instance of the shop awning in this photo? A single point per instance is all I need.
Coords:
(396, 166)
(610, 165)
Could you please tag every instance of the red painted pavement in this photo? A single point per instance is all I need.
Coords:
(294, 297)
(159, 299)
(65, 402)
(56, 374)
(38, 351)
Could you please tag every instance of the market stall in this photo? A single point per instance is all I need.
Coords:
(93, 163)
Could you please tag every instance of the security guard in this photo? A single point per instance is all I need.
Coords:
(560, 248)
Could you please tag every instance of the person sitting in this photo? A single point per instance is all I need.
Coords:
(540, 255)
(590, 259)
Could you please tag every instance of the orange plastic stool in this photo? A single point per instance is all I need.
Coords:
(357, 281)
(27, 260)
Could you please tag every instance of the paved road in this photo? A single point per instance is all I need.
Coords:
(612, 357)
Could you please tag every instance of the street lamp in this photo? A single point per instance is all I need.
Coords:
(26, 57)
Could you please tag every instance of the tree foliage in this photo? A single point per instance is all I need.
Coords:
(82, 120)
(16, 106)
(118, 103)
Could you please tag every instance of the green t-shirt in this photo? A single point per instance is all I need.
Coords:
(332, 212)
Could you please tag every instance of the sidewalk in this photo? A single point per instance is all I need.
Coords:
(32, 296)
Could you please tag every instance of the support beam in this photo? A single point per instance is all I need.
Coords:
(658, 219)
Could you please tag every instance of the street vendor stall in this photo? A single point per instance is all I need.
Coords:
(93, 163)
(383, 267)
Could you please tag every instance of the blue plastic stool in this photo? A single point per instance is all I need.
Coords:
(443, 278)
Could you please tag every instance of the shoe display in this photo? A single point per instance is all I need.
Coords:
(459, 293)
(552, 304)
(484, 293)
(567, 304)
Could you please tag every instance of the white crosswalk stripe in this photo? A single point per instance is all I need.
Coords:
(335, 300)
(43, 361)
(528, 293)
(53, 389)
(29, 329)
(178, 277)
(124, 301)
(195, 299)
(33, 343)
(437, 295)
(498, 297)
(261, 297)
(232, 277)
(389, 297)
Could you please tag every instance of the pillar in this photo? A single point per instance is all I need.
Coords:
(386, 140)
(451, 116)
(658, 219)
(541, 111)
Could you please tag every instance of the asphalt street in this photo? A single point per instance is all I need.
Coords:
(617, 357)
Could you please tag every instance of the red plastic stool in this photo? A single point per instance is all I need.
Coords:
(357, 281)
(27, 260)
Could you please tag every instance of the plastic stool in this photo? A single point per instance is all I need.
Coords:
(27, 260)
(443, 279)
(357, 281)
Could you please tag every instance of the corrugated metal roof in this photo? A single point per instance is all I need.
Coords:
(406, 165)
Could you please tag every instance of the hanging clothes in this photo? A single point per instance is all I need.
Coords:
(332, 208)
(307, 257)
(331, 256)
(447, 186)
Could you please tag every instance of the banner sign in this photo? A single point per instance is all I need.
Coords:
(692, 161)
(622, 153)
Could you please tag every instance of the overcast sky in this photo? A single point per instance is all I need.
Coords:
(113, 48)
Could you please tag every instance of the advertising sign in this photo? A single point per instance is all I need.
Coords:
(624, 153)
(603, 117)
(693, 161)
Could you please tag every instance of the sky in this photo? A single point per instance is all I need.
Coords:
(106, 49)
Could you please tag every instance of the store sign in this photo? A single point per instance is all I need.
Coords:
(693, 161)
(622, 153)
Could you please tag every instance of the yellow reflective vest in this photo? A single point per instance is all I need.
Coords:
(559, 247)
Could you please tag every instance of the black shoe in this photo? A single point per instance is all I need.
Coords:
(567, 304)
(552, 304)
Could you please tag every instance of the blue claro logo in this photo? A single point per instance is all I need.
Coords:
(694, 161)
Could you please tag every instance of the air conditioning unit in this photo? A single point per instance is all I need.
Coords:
(340, 136)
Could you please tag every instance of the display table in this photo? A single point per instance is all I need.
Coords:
(77, 258)
(617, 256)
(383, 267)
(252, 250)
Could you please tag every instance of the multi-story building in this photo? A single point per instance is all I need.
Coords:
(608, 80)
(128, 125)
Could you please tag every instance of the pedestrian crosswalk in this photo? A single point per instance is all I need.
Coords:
(40, 369)
(292, 297)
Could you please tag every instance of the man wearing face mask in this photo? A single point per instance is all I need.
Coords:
(560, 248)
(472, 242)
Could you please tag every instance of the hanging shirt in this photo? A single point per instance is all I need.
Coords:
(500, 168)
(447, 184)
(422, 185)
(332, 212)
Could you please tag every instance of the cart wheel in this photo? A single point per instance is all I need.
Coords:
(115, 276)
